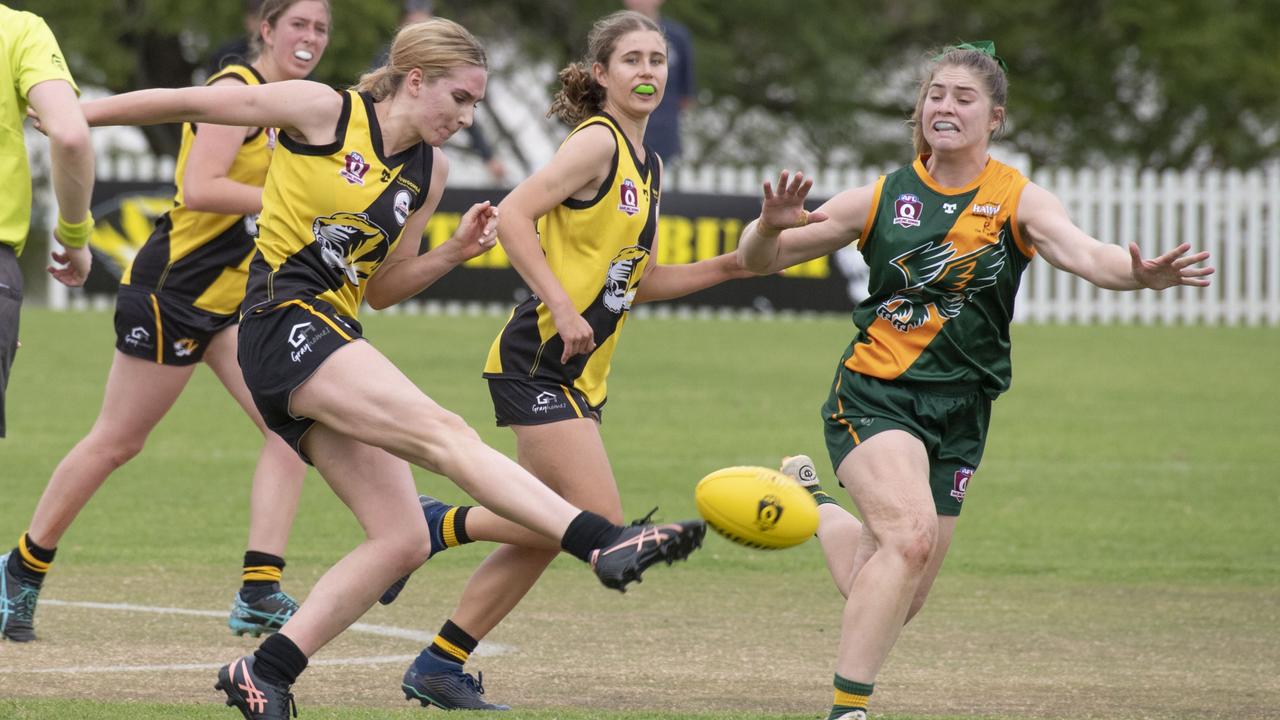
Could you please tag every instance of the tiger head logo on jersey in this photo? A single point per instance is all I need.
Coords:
(939, 279)
(350, 243)
(625, 271)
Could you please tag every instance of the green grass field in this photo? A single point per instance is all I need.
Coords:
(1118, 556)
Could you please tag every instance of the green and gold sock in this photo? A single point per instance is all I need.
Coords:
(821, 495)
(850, 698)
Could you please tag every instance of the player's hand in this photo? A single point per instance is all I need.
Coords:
(71, 265)
(477, 232)
(1172, 268)
(576, 332)
(785, 208)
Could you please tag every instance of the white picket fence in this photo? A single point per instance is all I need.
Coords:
(1234, 215)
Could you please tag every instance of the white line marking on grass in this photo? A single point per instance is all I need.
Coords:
(127, 607)
(487, 649)
(376, 660)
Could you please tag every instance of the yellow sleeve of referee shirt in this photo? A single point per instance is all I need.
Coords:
(29, 55)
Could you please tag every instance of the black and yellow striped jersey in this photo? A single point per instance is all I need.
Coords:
(598, 250)
(945, 268)
(331, 214)
(202, 258)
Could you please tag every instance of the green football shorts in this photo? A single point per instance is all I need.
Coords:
(950, 420)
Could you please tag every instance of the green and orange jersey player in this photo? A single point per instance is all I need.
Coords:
(947, 239)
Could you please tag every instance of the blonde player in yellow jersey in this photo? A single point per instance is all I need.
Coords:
(596, 209)
(178, 305)
(947, 239)
(33, 73)
(353, 174)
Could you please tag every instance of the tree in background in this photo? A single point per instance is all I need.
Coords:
(125, 45)
(831, 82)
(826, 83)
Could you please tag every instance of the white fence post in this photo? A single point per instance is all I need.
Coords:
(1127, 197)
(1254, 256)
(1229, 269)
(1272, 240)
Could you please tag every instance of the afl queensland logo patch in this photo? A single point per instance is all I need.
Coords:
(401, 206)
(906, 210)
(960, 483)
(629, 202)
(353, 168)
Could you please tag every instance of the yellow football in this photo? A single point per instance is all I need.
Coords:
(757, 507)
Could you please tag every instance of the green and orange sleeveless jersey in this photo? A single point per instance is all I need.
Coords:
(945, 267)
(331, 214)
(29, 55)
(201, 257)
(598, 250)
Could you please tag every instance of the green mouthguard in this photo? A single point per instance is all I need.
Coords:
(646, 89)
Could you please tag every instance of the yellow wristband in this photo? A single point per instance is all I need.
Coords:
(75, 235)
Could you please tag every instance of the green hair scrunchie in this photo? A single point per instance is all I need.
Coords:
(986, 47)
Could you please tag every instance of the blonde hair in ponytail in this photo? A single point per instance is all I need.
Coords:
(433, 46)
(580, 96)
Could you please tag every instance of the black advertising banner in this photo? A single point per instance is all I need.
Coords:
(124, 214)
(692, 227)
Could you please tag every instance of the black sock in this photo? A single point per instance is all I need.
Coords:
(278, 660)
(451, 645)
(586, 532)
(30, 562)
(262, 572)
(460, 525)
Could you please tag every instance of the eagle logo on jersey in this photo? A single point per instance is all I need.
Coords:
(620, 283)
(939, 279)
(350, 243)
